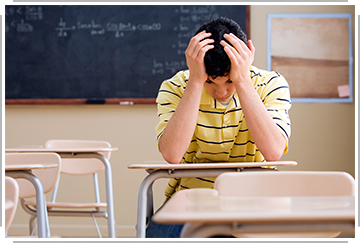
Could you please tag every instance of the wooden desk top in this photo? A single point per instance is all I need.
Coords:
(203, 205)
(59, 150)
(29, 166)
(155, 165)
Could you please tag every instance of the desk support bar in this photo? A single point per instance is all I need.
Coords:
(109, 189)
(42, 219)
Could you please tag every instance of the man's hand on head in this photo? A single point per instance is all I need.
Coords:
(240, 55)
(195, 53)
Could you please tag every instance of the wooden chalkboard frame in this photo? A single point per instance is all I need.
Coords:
(107, 101)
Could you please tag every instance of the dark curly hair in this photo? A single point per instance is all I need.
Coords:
(217, 62)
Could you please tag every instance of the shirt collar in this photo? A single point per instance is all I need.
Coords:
(207, 99)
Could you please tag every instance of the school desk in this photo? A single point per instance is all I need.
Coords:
(210, 214)
(84, 153)
(159, 170)
(24, 171)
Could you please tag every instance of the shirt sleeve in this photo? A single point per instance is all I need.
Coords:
(168, 98)
(275, 95)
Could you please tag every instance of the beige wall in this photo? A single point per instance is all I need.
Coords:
(323, 138)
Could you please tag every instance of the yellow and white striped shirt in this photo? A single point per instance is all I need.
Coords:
(221, 133)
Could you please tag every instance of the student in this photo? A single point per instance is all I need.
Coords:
(222, 109)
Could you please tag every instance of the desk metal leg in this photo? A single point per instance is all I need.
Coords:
(150, 204)
(109, 188)
(42, 220)
(147, 183)
(143, 200)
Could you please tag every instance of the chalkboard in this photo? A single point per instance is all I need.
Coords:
(99, 53)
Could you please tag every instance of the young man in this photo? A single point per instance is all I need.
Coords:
(222, 109)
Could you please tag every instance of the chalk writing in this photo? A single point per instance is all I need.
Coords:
(172, 66)
(29, 12)
(22, 14)
(63, 29)
(24, 27)
(34, 13)
(92, 25)
(158, 68)
(101, 29)
(190, 19)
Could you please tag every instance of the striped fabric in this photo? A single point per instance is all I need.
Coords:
(221, 133)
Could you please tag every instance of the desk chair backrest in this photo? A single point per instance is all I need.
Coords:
(80, 166)
(48, 177)
(281, 183)
(11, 200)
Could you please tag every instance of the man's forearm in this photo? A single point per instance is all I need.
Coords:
(180, 128)
(262, 127)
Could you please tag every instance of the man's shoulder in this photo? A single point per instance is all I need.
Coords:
(179, 80)
(174, 86)
(261, 73)
(261, 76)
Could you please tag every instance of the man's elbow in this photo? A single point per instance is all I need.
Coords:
(275, 154)
(170, 158)
(169, 153)
(273, 157)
